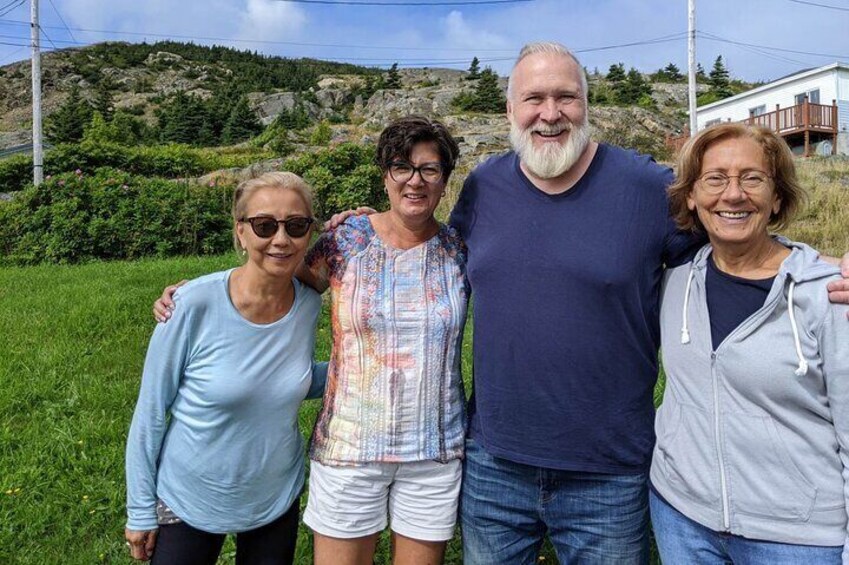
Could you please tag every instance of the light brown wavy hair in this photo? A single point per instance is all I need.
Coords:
(779, 159)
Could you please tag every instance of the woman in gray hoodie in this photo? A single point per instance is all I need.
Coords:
(752, 454)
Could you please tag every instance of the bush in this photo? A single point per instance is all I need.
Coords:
(171, 161)
(342, 178)
(110, 214)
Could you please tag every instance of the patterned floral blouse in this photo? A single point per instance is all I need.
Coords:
(394, 390)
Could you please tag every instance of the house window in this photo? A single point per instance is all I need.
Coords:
(813, 97)
(757, 110)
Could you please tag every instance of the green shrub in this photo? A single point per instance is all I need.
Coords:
(342, 177)
(15, 172)
(170, 160)
(111, 214)
(321, 134)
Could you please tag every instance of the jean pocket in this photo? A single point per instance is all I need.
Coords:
(763, 479)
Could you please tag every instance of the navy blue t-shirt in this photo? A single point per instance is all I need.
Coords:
(565, 299)
(731, 300)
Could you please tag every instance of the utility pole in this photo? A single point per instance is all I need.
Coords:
(37, 154)
(691, 9)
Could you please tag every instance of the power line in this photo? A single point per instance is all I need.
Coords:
(842, 9)
(713, 37)
(44, 33)
(10, 7)
(61, 19)
(370, 3)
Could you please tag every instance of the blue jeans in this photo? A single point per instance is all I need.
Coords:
(507, 508)
(681, 540)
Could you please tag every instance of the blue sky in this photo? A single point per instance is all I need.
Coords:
(449, 36)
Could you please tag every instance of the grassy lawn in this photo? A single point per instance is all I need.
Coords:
(73, 344)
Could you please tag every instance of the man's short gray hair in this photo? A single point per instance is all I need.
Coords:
(551, 48)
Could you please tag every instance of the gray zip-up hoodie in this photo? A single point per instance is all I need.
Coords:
(753, 438)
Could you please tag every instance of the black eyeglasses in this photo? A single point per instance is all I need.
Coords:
(401, 171)
(266, 226)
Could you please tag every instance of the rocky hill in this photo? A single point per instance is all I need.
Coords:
(140, 81)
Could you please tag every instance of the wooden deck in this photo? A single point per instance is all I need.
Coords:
(799, 123)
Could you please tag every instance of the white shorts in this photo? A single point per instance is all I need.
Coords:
(352, 502)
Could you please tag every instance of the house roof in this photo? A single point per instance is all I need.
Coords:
(805, 73)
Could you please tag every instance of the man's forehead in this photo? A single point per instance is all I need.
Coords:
(542, 67)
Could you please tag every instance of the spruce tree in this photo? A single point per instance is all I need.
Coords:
(720, 83)
(487, 96)
(241, 124)
(393, 77)
(671, 73)
(68, 122)
(616, 73)
(183, 119)
(474, 69)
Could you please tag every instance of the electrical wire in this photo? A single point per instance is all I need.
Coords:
(842, 9)
(11, 6)
(61, 19)
(395, 4)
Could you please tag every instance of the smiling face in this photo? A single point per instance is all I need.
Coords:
(280, 254)
(415, 200)
(735, 217)
(548, 113)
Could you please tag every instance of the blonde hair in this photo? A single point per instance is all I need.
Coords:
(278, 180)
(779, 159)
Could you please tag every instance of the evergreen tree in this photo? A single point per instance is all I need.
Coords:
(487, 96)
(474, 69)
(68, 122)
(616, 73)
(103, 98)
(393, 77)
(670, 73)
(183, 119)
(241, 124)
(700, 73)
(720, 83)
(634, 89)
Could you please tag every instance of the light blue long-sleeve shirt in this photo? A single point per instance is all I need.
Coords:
(230, 457)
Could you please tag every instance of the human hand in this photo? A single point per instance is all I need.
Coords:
(141, 543)
(165, 303)
(337, 219)
(838, 291)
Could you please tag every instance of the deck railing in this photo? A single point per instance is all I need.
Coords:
(803, 118)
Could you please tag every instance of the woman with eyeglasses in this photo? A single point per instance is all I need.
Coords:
(388, 442)
(752, 455)
(214, 445)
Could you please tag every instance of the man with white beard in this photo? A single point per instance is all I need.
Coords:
(567, 243)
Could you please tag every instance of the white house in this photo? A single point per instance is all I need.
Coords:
(810, 109)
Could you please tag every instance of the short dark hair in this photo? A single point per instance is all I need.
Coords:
(399, 137)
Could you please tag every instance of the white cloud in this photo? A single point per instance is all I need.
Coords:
(458, 33)
(269, 20)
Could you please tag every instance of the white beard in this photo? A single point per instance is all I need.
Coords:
(552, 159)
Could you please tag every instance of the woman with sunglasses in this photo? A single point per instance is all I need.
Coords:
(752, 450)
(214, 446)
(388, 442)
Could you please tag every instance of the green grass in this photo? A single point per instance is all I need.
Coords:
(73, 344)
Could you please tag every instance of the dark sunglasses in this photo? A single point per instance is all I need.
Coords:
(265, 226)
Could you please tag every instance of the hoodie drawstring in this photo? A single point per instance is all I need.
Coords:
(685, 332)
(802, 369)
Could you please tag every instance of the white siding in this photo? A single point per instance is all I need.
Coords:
(832, 82)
